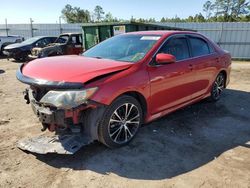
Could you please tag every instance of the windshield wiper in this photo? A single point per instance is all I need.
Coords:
(98, 57)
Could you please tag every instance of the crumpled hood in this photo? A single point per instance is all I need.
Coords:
(52, 47)
(71, 68)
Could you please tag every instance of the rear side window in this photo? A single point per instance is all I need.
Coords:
(46, 41)
(199, 47)
(52, 40)
(177, 47)
(42, 43)
(76, 40)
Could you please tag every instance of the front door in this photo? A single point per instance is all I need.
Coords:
(171, 84)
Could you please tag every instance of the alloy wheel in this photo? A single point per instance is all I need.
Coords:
(218, 87)
(124, 123)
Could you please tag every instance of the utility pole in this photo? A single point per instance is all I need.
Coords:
(60, 25)
(6, 27)
(31, 27)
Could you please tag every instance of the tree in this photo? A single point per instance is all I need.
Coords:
(109, 18)
(132, 19)
(199, 18)
(241, 8)
(190, 19)
(230, 10)
(176, 19)
(216, 11)
(75, 14)
(163, 19)
(151, 20)
(208, 8)
(99, 13)
(224, 8)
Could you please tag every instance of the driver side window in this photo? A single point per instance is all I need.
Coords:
(177, 47)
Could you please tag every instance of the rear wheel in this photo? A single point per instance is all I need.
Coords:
(120, 122)
(218, 87)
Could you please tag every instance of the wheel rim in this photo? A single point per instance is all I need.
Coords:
(124, 123)
(218, 86)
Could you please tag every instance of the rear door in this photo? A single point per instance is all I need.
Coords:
(172, 84)
(204, 64)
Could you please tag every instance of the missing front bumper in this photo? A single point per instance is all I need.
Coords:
(60, 144)
(80, 128)
(56, 117)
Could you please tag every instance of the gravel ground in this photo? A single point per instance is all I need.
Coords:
(203, 145)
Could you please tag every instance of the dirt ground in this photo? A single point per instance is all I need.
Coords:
(203, 145)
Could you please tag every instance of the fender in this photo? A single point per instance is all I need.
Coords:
(122, 82)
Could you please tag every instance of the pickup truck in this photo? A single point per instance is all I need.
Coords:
(65, 44)
(10, 39)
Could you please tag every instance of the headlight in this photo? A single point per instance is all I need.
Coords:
(67, 99)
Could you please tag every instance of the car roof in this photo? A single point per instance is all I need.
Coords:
(10, 36)
(39, 37)
(70, 33)
(162, 32)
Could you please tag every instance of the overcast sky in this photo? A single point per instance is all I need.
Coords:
(45, 11)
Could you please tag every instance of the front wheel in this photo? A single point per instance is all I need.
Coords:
(218, 87)
(120, 122)
(22, 57)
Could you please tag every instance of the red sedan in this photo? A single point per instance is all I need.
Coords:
(128, 80)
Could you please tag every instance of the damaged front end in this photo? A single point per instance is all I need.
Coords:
(53, 49)
(63, 108)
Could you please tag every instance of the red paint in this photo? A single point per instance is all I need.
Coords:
(165, 88)
(71, 68)
(165, 58)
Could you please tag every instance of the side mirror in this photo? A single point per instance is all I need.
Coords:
(165, 58)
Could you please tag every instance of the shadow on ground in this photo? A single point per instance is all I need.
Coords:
(2, 56)
(13, 60)
(2, 71)
(176, 144)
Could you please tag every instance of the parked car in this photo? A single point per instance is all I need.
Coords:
(21, 50)
(65, 44)
(126, 81)
(10, 39)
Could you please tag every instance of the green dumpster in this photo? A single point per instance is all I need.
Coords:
(93, 33)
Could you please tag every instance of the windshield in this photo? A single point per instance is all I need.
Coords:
(31, 40)
(130, 48)
(62, 39)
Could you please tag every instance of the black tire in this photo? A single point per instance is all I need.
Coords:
(23, 57)
(218, 87)
(116, 131)
(18, 59)
(1, 51)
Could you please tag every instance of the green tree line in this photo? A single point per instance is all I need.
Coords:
(214, 11)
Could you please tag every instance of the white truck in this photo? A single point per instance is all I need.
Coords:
(10, 39)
